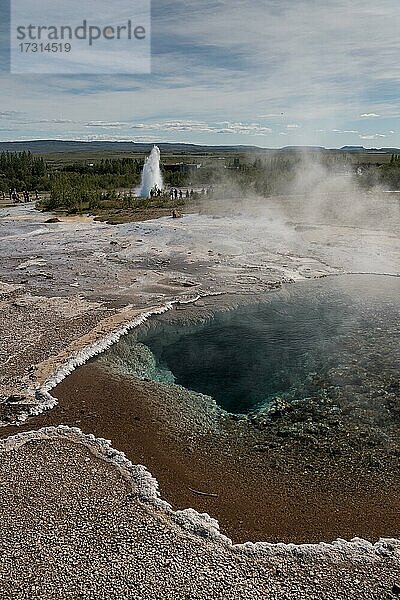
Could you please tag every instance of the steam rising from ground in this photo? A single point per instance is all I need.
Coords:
(273, 346)
(317, 195)
(336, 196)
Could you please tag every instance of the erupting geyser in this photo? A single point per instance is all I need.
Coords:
(151, 175)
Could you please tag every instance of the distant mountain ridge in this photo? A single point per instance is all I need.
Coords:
(55, 146)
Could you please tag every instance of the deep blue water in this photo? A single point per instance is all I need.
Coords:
(245, 357)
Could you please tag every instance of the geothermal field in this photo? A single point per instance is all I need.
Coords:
(209, 401)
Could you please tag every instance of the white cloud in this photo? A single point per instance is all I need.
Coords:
(373, 136)
(105, 124)
(271, 116)
(311, 63)
(204, 127)
(344, 131)
(99, 137)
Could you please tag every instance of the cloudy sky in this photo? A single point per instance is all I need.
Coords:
(269, 73)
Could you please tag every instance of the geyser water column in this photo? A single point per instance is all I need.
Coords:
(151, 175)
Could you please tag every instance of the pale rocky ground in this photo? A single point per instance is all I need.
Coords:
(74, 527)
(67, 527)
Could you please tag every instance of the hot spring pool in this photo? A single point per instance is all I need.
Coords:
(337, 335)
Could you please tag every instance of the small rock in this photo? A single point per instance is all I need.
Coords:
(396, 589)
(15, 398)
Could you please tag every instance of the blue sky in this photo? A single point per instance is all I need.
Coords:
(269, 73)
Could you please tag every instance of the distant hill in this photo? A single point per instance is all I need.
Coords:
(368, 150)
(61, 146)
(65, 146)
(303, 149)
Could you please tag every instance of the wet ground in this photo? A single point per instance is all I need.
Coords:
(318, 462)
(66, 284)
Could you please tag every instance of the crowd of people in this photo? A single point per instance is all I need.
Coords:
(155, 192)
(20, 197)
(175, 193)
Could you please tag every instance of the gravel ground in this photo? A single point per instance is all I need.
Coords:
(74, 526)
(71, 527)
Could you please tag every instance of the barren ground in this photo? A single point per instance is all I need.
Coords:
(68, 528)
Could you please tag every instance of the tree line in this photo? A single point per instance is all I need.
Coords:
(22, 171)
(88, 186)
